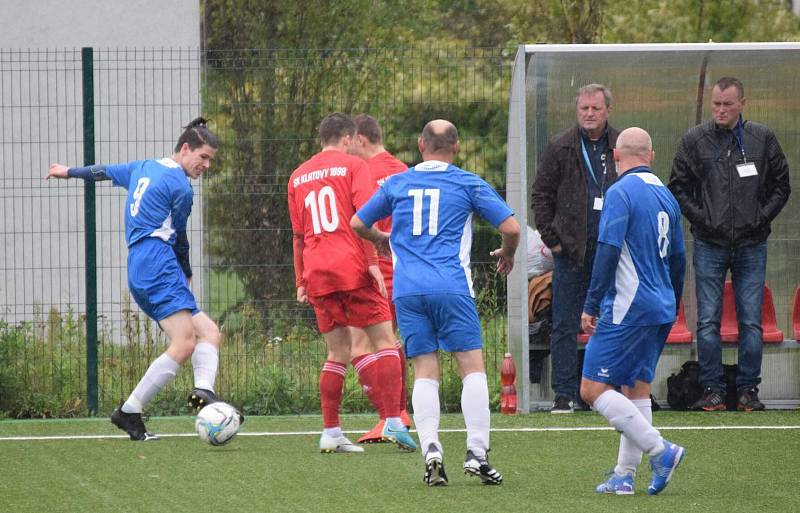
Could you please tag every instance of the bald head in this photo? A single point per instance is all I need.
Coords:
(634, 148)
(439, 141)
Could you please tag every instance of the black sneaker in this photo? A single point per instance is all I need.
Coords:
(748, 400)
(480, 467)
(434, 467)
(132, 424)
(200, 397)
(711, 401)
(562, 404)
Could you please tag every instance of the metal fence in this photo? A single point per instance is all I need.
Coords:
(265, 106)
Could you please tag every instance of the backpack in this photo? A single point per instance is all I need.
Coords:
(683, 388)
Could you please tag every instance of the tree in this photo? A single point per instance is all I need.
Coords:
(266, 104)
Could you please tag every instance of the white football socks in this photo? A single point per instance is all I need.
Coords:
(623, 415)
(334, 432)
(160, 372)
(425, 399)
(629, 455)
(475, 407)
(205, 360)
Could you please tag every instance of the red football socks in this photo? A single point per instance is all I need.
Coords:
(366, 367)
(331, 383)
(389, 372)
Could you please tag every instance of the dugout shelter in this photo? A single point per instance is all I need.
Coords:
(665, 89)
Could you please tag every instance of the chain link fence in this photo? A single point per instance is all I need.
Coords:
(265, 105)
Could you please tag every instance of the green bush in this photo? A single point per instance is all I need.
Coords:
(268, 365)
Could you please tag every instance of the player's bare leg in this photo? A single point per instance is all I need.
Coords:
(128, 416)
(205, 362)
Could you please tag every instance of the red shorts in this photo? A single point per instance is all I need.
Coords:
(358, 308)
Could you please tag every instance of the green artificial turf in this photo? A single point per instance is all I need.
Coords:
(725, 470)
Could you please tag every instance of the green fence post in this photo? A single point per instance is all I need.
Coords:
(87, 61)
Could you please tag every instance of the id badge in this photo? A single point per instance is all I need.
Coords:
(598, 203)
(746, 169)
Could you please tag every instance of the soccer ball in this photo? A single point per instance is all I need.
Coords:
(217, 423)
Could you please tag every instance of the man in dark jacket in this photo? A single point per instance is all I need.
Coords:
(731, 180)
(575, 170)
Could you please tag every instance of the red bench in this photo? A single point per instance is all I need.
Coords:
(729, 327)
(680, 334)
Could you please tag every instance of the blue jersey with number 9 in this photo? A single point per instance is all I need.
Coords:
(159, 198)
(431, 206)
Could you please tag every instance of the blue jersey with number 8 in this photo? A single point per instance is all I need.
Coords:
(641, 217)
(431, 206)
(159, 198)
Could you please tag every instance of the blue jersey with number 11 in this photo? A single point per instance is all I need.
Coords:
(431, 206)
(159, 198)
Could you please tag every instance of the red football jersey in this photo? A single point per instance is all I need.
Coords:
(382, 166)
(324, 193)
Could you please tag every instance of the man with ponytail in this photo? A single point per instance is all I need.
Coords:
(159, 272)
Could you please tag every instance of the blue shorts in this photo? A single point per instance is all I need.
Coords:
(621, 355)
(156, 280)
(438, 321)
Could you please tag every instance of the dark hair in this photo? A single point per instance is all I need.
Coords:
(438, 141)
(368, 126)
(335, 126)
(196, 134)
(726, 82)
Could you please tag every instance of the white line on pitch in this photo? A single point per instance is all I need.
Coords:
(311, 433)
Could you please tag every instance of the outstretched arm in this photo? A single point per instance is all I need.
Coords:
(96, 172)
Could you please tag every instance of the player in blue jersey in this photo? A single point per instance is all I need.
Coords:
(636, 286)
(159, 272)
(432, 205)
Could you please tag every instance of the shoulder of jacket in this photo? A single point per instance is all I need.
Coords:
(613, 133)
(566, 138)
(699, 131)
(757, 128)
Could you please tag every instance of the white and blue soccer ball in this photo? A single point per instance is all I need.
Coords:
(217, 423)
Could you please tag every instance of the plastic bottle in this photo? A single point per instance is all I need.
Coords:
(508, 392)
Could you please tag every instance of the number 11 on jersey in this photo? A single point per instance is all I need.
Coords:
(419, 207)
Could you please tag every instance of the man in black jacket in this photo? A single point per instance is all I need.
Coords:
(731, 180)
(575, 170)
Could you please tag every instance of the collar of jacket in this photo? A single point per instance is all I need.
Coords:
(574, 141)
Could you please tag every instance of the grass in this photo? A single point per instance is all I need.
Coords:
(726, 470)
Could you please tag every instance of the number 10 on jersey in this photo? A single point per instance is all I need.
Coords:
(419, 196)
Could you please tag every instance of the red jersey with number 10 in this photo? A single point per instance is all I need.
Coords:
(382, 166)
(324, 193)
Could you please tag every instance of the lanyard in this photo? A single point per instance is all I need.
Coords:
(738, 132)
(589, 167)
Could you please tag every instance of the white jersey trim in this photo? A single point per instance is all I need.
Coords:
(432, 165)
(168, 162)
(464, 251)
(649, 178)
(626, 283)
(165, 232)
